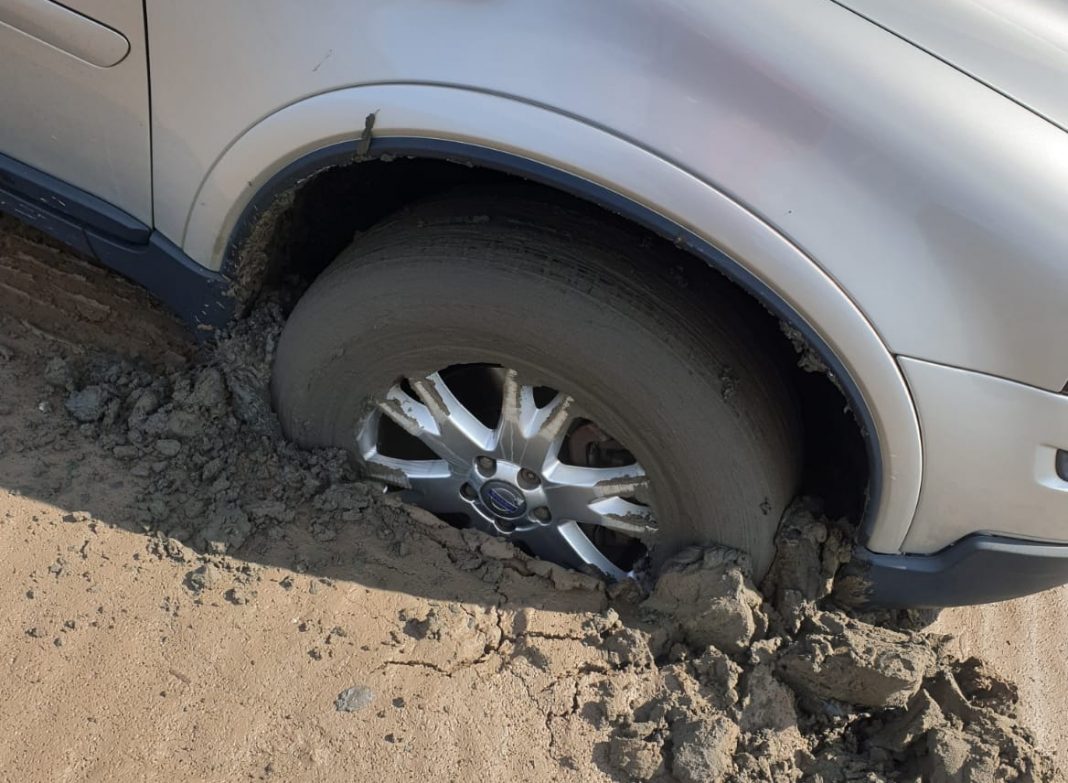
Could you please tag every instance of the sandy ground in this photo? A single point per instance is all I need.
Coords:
(115, 666)
(1027, 641)
(114, 669)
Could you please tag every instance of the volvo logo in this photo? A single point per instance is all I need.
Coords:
(503, 500)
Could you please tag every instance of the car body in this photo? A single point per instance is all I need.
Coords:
(891, 179)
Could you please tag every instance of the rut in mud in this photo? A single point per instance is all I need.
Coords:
(706, 677)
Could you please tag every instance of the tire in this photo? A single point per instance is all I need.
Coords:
(579, 303)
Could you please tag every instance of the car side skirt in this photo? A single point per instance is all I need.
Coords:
(118, 240)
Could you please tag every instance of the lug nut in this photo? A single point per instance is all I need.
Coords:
(486, 465)
(505, 525)
(468, 492)
(528, 478)
(541, 513)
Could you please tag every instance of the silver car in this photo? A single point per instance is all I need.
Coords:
(607, 277)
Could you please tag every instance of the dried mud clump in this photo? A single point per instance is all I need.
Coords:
(705, 678)
(206, 440)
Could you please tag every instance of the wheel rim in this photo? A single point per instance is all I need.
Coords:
(513, 477)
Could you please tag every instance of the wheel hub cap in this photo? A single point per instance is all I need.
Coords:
(503, 500)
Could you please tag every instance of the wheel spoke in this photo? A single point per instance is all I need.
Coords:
(439, 420)
(568, 545)
(598, 496)
(528, 434)
(517, 410)
(428, 483)
(600, 482)
(440, 496)
(623, 516)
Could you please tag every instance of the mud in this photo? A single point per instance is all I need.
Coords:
(191, 596)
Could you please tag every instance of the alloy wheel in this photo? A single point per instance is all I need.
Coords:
(515, 460)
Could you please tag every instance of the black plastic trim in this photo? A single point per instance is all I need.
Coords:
(1062, 464)
(44, 191)
(978, 569)
(347, 152)
(197, 296)
(117, 240)
(58, 226)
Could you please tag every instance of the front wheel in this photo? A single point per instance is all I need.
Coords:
(523, 367)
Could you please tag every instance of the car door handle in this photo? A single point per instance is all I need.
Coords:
(67, 30)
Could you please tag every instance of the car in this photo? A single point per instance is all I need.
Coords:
(607, 278)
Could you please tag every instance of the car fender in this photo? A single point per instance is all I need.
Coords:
(595, 163)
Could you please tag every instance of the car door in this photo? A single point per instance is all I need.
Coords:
(74, 96)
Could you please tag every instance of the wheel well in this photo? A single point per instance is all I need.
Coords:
(291, 239)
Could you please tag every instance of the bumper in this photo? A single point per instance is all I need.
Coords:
(992, 521)
(978, 569)
(993, 461)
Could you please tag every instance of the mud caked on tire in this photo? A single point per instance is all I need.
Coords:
(565, 300)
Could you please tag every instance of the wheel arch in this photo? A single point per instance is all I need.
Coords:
(260, 170)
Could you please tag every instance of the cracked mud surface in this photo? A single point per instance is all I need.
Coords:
(188, 597)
